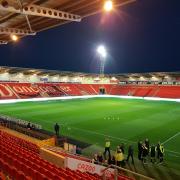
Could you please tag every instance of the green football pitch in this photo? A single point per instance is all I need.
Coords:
(121, 120)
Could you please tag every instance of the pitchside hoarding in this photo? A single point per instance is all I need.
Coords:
(75, 164)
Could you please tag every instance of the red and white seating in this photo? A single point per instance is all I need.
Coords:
(28, 90)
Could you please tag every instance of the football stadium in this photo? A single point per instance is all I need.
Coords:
(75, 125)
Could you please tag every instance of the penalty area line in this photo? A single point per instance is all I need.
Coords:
(172, 137)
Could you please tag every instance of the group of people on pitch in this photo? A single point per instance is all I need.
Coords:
(117, 158)
(145, 151)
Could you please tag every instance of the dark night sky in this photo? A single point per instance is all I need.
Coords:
(140, 37)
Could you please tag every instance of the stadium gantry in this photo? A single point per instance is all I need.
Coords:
(23, 18)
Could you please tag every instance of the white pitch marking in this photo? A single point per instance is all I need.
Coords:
(173, 152)
(172, 137)
(173, 155)
(92, 132)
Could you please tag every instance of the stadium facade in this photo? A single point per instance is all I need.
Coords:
(17, 74)
(18, 83)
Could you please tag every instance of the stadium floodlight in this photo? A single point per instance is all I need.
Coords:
(14, 37)
(101, 50)
(108, 5)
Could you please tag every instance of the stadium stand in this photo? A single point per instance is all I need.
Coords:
(86, 89)
(20, 142)
(70, 89)
(161, 91)
(168, 92)
(20, 159)
(29, 90)
(121, 90)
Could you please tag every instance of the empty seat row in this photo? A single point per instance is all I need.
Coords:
(21, 164)
(21, 142)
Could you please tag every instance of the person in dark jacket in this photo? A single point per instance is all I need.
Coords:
(140, 150)
(29, 126)
(56, 128)
(130, 153)
(112, 160)
(122, 147)
(153, 153)
(78, 150)
(144, 153)
(100, 157)
(146, 142)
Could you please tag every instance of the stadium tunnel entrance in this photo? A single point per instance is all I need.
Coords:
(102, 90)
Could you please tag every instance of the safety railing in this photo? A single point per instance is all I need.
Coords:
(119, 171)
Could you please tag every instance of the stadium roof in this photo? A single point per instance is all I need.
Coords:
(30, 16)
(43, 72)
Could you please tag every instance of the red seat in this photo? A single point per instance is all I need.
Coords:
(20, 175)
(2, 176)
(41, 177)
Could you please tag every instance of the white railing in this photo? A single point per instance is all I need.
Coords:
(19, 121)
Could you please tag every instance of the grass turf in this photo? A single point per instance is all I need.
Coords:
(122, 120)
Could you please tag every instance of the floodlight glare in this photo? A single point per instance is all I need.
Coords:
(102, 51)
(108, 5)
(14, 37)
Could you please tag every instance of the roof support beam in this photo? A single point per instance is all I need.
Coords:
(35, 10)
(14, 31)
(26, 16)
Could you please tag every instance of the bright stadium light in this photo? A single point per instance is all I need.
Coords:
(108, 5)
(14, 37)
(102, 52)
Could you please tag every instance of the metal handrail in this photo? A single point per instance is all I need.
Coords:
(126, 170)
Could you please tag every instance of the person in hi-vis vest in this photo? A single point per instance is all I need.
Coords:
(160, 152)
(107, 148)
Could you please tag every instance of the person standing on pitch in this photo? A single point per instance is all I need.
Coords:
(122, 147)
(147, 144)
(144, 153)
(120, 158)
(56, 128)
(131, 153)
(153, 153)
(160, 152)
(140, 149)
(107, 148)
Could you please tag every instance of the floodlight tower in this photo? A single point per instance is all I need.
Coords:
(101, 50)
